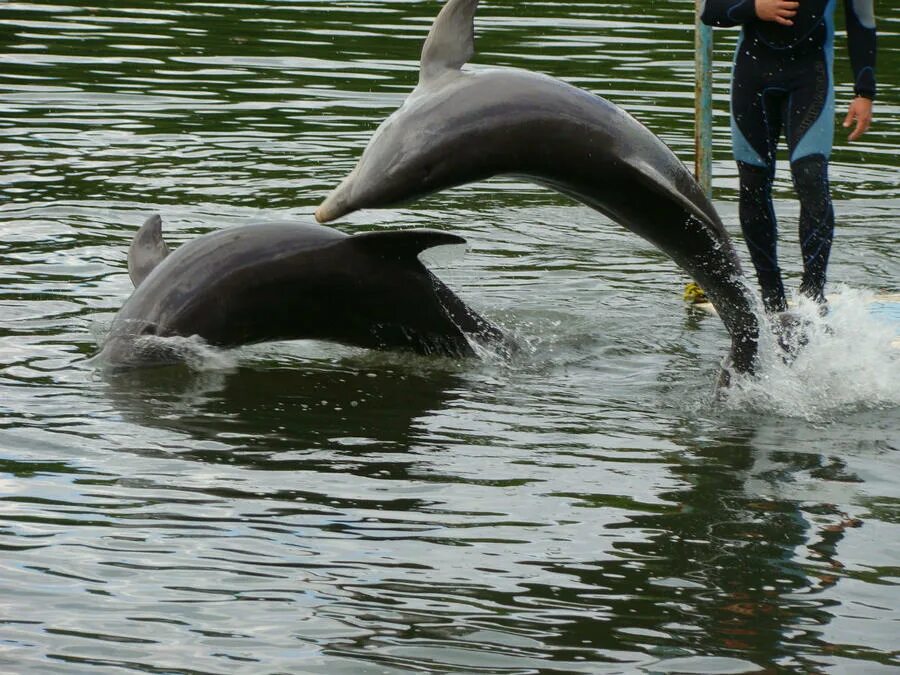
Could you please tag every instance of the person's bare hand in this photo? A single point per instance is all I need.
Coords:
(861, 111)
(779, 11)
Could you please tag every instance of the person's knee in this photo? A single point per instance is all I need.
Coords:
(755, 187)
(755, 178)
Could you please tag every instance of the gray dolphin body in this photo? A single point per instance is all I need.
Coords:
(285, 281)
(457, 127)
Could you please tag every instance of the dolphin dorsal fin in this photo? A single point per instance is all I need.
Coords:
(399, 244)
(451, 41)
(147, 250)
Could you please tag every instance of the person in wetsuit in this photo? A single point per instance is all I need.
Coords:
(782, 82)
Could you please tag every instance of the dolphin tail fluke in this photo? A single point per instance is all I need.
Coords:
(469, 321)
(405, 246)
(147, 250)
(400, 244)
(451, 41)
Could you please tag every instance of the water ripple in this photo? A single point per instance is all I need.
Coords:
(584, 505)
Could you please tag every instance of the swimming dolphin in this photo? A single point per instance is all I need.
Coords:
(457, 127)
(285, 281)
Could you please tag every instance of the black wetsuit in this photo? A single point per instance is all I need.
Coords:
(782, 81)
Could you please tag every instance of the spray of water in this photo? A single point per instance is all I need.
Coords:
(194, 352)
(847, 361)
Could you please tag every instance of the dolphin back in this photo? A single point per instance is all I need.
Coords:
(458, 127)
(291, 281)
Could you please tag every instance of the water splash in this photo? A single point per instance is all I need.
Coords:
(194, 352)
(848, 363)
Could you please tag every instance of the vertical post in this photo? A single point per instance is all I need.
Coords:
(703, 49)
(703, 53)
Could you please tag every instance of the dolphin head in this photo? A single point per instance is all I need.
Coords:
(405, 158)
(131, 341)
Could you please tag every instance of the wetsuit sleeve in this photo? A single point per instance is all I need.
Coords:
(861, 44)
(728, 12)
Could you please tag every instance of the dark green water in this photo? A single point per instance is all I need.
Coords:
(304, 508)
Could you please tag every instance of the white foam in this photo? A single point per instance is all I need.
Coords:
(848, 364)
(193, 352)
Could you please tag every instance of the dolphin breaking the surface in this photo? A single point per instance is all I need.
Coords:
(289, 281)
(459, 126)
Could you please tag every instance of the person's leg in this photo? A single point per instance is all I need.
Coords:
(816, 222)
(760, 230)
(755, 128)
(810, 132)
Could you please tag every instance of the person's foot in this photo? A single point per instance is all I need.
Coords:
(816, 293)
(775, 303)
(772, 290)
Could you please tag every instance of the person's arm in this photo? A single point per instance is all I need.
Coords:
(861, 45)
(736, 12)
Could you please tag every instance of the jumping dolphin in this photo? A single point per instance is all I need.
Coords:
(285, 281)
(457, 127)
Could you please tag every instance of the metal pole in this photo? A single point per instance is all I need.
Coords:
(703, 49)
(703, 56)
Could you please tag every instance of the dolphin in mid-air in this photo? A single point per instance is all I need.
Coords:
(458, 126)
(290, 281)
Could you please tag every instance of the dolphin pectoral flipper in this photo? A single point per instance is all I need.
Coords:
(451, 42)
(399, 244)
(147, 250)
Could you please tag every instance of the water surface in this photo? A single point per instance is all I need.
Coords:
(585, 506)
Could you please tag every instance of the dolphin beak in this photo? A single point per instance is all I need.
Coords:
(337, 203)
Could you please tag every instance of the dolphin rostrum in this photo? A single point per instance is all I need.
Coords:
(457, 127)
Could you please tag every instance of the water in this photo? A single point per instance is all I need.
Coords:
(583, 506)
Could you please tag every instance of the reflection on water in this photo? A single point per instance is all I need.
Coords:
(583, 506)
(280, 408)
